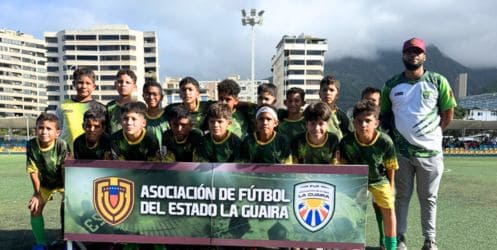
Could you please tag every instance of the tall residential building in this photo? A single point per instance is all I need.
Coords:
(23, 75)
(103, 48)
(299, 62)
(461, 87)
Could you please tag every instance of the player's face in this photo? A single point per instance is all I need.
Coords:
(84, 87)
(328, 94)
(266, 98)
(373, 97)
(317, 129)
(413, 58)
(365, 125)
(181, 128)
(294, 103)
(47, 132)
(229, 100)
(189, 93)
(218, 127)
(152, 96)
(125, 85)
(265, 124)
(133, 123)
(93, 130)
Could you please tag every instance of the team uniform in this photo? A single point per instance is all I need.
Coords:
(292, 128)
(276, 150)
(339, 123)
(157, 125)
(379, 156)
(97, 152)
(113, 117)
(180, 151)
(197, 116)
(304, 152)
(240, 124)
(49, 164)
(227, 150)
(416, 106)
(71, 113)
(145, 148)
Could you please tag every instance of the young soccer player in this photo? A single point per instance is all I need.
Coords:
(219, 145)
(125, 86)
(266, 145)
(367, 145)
(181, 139)
(45, 156)
(266, 94)
(94, 144)
(293, 122)
(317, 145)
(329, 91)
(133, 142)
(156, 116)
(228, 91)
(70, 111)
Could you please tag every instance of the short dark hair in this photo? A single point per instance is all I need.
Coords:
(128, 72)
(295, 90)
(365, 106)
(329, 80)
(229, 87)
(179, 112)
(218, 110)
(80, 72)
(189, 79)
(44, 116)
(153, 84)
(134, 107)
(267, 87)
(95, 113)
(370, 90)
(317, 111)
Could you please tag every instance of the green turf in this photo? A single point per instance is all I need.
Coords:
(467, 207)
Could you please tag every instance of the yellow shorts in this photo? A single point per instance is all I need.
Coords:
(46, 194)
(382, 195)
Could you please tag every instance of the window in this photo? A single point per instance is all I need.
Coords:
(312, 91)
(106, 87)
(110, 67)
(108, 37)
(297, 52)
(315, 52)
(52, 59)
(51, 39)
(149, 39)
(314, 62)
(109, 47)
(52, 49)
(86, 37)
(128, 37)
(87, 47)
(69, 37)
(295, 72)
(53, 98)
(54, 79)
(149, 59)
(494, 113)
(87, 58)
(53, 88)
(69, 47)
(107, 78)
(53, 69)
(109, 58)
(314, 72)
(149, 50)
(295, 82)
(68, 57)
(297, 62)
(128, 58)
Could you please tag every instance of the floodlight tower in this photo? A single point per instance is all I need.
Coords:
(252, 19)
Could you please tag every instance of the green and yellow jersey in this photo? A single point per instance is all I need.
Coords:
(276, 150)
(339, 124)
(47, 162)
(146, 148)
(304, 152)
(379, 155)
(113, 117)
(97, 152)
(292, 128)
(180, 151)
(227, 150)
(157, 125)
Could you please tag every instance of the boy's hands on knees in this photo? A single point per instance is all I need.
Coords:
(34, 204)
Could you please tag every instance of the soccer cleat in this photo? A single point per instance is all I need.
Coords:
(429, 245)
(39, 247)
(401, 243)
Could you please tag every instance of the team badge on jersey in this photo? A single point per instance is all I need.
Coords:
(113, 198)
(314, 204)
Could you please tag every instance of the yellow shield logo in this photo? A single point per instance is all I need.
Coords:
(113, 198)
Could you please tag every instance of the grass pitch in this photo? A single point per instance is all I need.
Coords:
(467, 207)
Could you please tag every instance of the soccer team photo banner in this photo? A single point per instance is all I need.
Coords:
(216, 204)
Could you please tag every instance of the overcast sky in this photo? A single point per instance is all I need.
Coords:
(206, 39)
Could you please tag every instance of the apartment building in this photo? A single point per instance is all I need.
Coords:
(103, 48)
(23, 75)
(299, 62)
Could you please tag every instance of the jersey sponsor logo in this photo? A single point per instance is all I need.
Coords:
(427, 94)
(314, 204)
(113, 198)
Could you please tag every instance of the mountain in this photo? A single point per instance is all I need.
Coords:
(355, 74)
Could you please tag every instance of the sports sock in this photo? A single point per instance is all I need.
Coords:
(391, 243)
(38, 227)
(379, 221)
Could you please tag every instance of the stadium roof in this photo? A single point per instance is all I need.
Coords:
(17, 122)
(470, 124)
(485, 101)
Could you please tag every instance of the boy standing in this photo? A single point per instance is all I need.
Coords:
(317, 145)
(219, 145)
(266, 145)
(133, 142)
(125, 86)
(156, 116)
(329, 89)
(94, 144)
(45, 156)
(266, 94)
(228, 91)
(180, 141)
(70, 111)
(374, 148)
(293, 123)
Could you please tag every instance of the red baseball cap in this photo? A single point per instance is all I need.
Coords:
(414, 42)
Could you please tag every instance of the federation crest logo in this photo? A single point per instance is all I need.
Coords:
(113, 198)
(314, 204)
